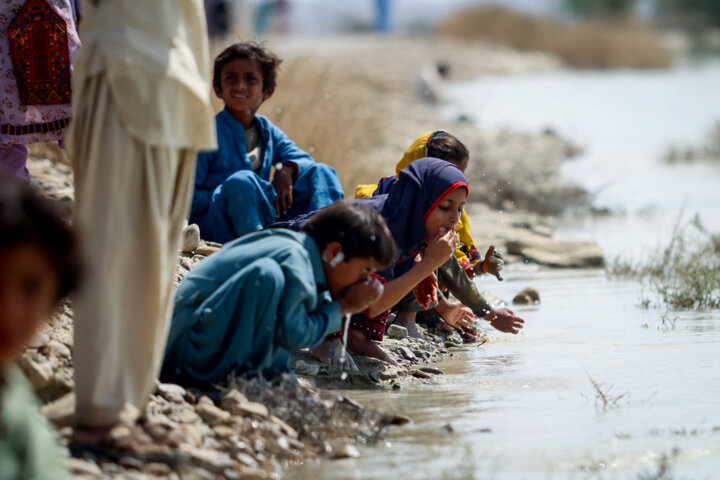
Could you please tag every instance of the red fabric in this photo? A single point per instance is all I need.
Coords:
(40, 55)
(447, 192)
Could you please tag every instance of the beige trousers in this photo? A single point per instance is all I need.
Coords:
(131, 200)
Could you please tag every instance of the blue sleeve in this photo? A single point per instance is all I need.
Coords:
(286, 151)
(306, 317)
(202, 193)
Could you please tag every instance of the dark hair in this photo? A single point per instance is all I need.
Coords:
(360, 229)
(447, 147)
(269, 62)
(26, 217)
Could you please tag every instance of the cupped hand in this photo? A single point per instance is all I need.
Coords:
(439, 248)
(283, 183)
(426, 291)
(360, 295)
(504, 319)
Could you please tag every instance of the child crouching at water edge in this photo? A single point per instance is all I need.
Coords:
(40, 266)
(262, 296)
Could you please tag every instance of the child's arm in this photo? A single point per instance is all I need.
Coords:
(202, 193)
(436, 253)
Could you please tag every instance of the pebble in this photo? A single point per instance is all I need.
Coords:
(286, 429)
(171, 392)
(304, 368)
(246, 459)
(223, 431)
(432, 370)
(232, 400)
(206, 250)
(211, 460)
(38, 340)
(212, 414)
(253, 408)
(344, 450)
(61, 411)
(38, 374)
(190, 238)
(420, 374)
(158, 469)
(527, 296)
(397, 332)
(407, 353)
(57, 349)
(83, 467)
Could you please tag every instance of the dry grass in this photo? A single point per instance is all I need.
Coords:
(582, 45)
(709, 152)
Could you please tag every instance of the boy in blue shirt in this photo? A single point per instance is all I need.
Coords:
(236, 191)
(245, 308)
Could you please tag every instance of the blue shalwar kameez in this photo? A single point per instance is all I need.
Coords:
(231, 200)
(246, 307)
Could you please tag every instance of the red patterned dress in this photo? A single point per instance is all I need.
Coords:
(38, 39)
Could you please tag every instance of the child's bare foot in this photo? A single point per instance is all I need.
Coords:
(330, 351)
(456, 314)
(360, 344)
(407, 320)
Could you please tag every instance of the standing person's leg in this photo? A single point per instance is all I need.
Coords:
(13, 160)
(131, 199)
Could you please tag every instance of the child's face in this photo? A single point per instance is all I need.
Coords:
(447, 214)
(28, 292)
(345, 273)
(241, 82)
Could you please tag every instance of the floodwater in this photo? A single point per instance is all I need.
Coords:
(525, 406)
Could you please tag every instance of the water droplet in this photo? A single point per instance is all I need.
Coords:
(278, 166)
(372, 238)
(311, 150)
(343, 375)
(500, 212)
(279, 110)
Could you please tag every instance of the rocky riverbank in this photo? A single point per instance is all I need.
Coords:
(254, 429)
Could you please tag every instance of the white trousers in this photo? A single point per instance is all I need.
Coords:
(130, 203)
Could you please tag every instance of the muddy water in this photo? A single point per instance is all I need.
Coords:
(525, 406)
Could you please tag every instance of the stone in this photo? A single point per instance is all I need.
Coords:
(206, 250)
(397, 332)
(38, 374)
(554, 253)
(286, 429)
(431, 370)
(184, 435)
(56, 349)
(223, 431)
(211, 460)
(190, 238)
(129, 414)
(246, 459)
(157, 469)
(253, 408)
(187, 416)
(212, 414)
(171, 392)
(420, 374)
(232, 400)
(80, 467)
(61, 411)
(344, 450)
(304, 368)
(395, 420)
(527, 296)
(407, 353)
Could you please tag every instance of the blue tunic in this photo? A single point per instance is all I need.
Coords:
(231, 200)
(246, 307)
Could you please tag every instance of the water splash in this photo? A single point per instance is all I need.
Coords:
(343, 349)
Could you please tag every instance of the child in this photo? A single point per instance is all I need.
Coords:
(442, 145)
(245, 308)
(38, 41)
(235, 190)
(40, 266)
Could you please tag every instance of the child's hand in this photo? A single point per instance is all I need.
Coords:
(493, 262)
(360, 295)
(439, 248)
(426, 291)
(283, 183)
(504, 319)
